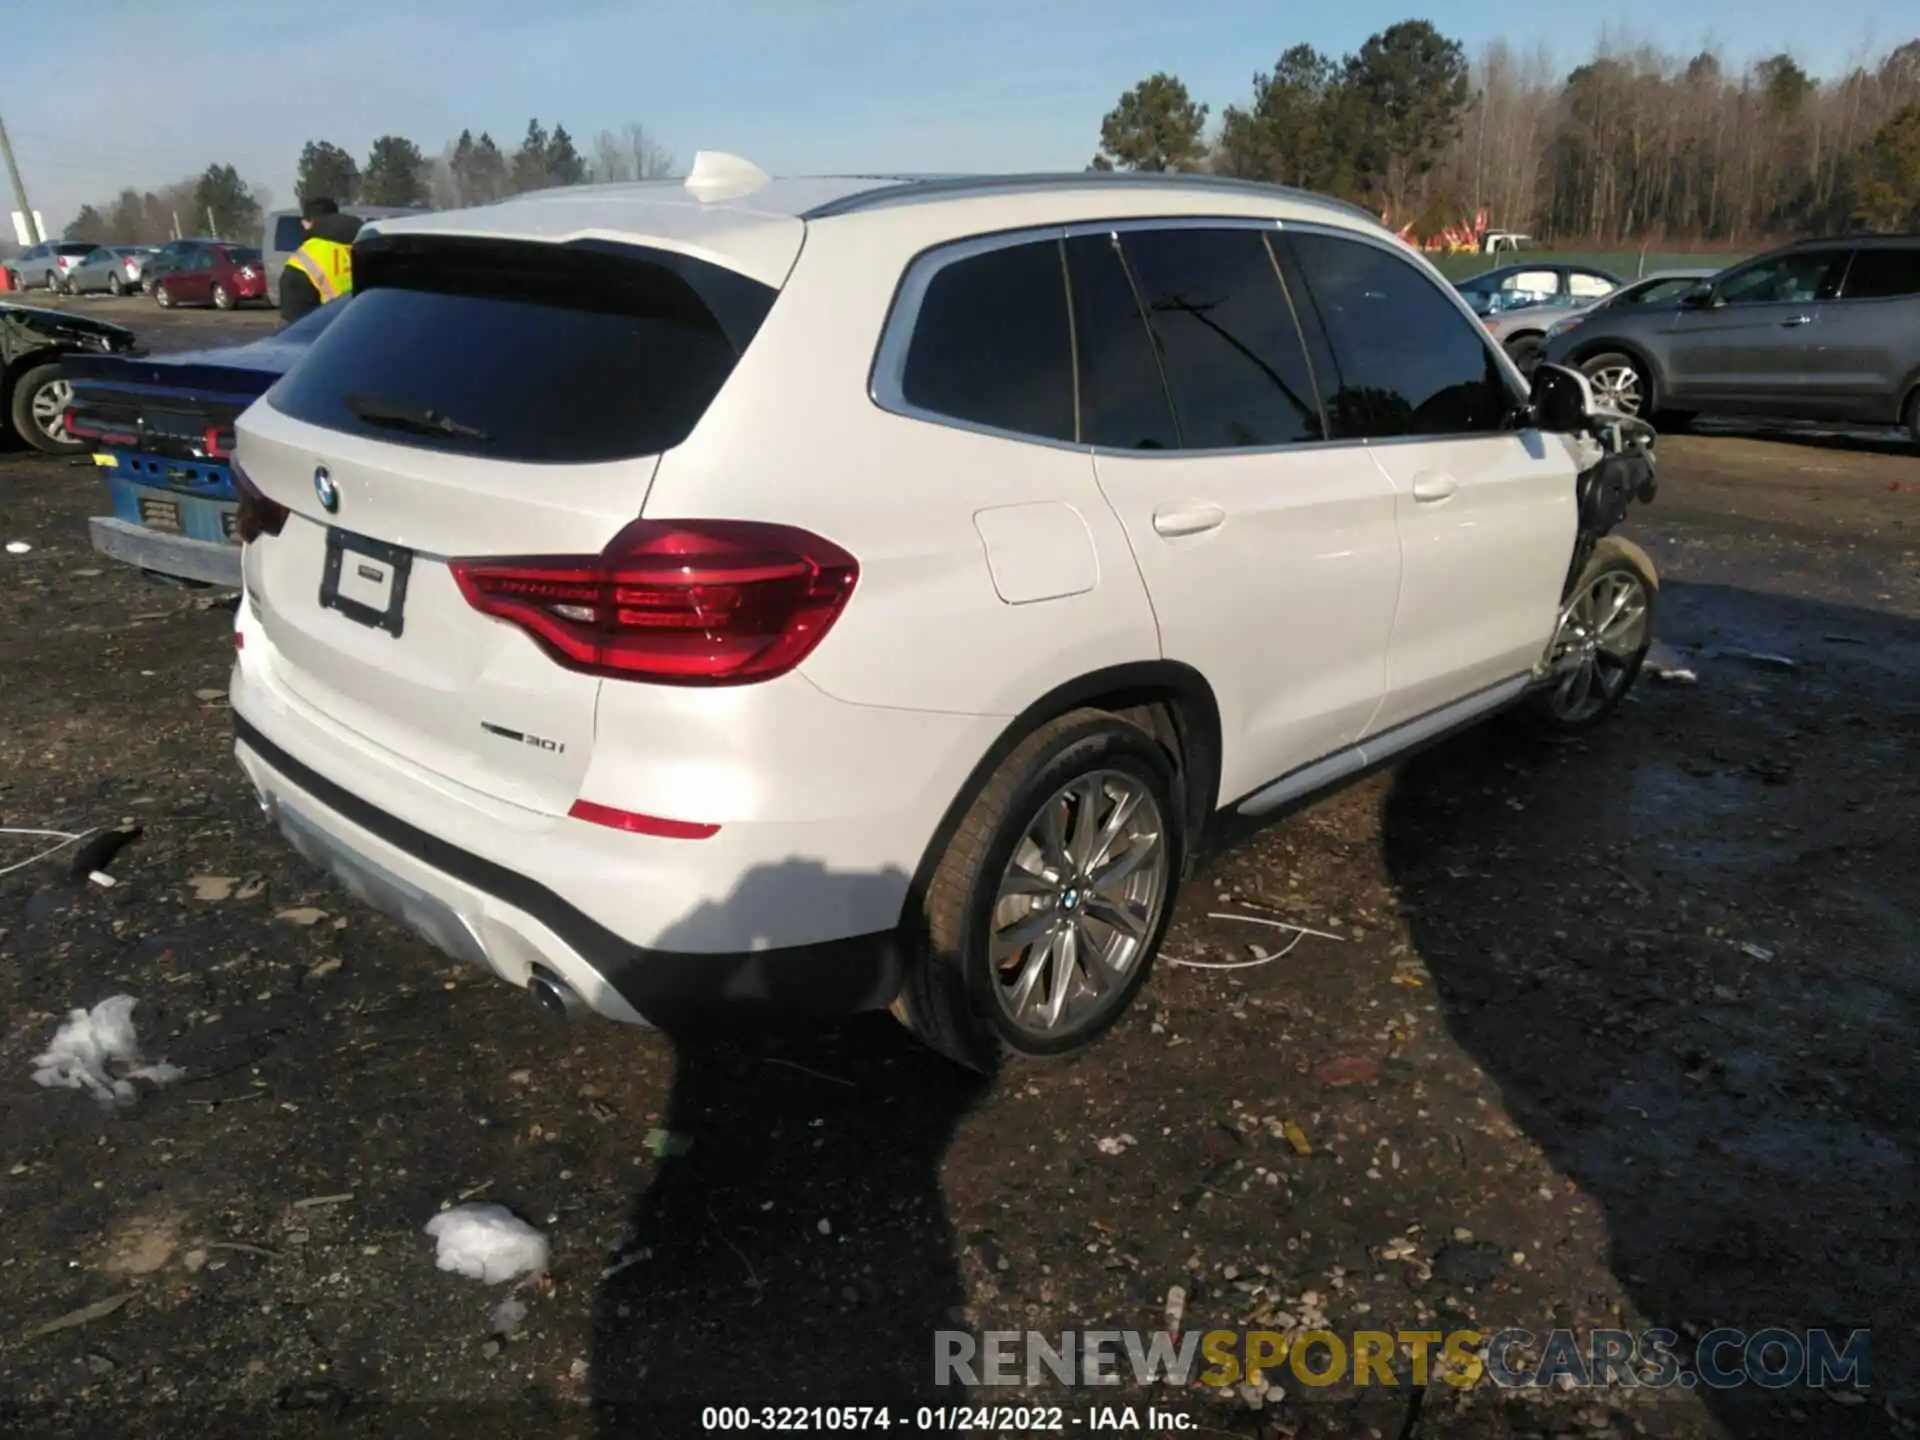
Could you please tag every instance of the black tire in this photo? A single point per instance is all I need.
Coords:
(222, 298)
(1613, 560)
(1526, 350)
(1913, 416)
(1600, 370)
(25, 391)
(116, 287)
(948, 998)
(54, 286)
(162, 296)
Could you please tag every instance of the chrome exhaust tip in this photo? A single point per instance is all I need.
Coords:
(555, 996)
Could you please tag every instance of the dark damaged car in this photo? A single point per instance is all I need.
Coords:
(162, 429)
(34, 388)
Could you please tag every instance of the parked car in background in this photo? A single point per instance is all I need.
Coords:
(112, 269)
(162, 429)
(217, 274)
(174, 255)
(1819, 330)
(1517, 302)
(1518, 287)
(281, 235)
(34, 391)
(909, 621)
(45, 266)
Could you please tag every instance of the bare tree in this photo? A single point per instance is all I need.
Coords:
(630, 153)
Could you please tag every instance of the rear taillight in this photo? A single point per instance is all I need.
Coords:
(257, 514)
(217, 443)
(676, 602)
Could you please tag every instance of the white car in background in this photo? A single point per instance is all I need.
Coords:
(865, 593)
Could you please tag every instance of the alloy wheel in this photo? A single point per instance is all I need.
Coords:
(1079, 901)
(1617, 388)
(1602, 634)
(50, 409)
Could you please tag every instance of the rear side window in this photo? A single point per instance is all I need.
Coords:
(1123, 399)
(1884, 272)
(1407, 361)
(991, 344)
(1228, 342)
(287, 234)
(547, 354)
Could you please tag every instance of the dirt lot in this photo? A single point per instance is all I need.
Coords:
(1614, 1032)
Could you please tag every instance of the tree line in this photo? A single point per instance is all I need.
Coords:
(470, 170)
(1632, 145)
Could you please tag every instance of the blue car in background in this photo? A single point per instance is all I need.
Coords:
(162, 427)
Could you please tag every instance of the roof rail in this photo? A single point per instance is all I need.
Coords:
(908, 190)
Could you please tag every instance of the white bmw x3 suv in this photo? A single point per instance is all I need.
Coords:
(811, 595)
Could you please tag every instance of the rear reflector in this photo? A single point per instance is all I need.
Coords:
(640, 824)
(256, 515)
(675, 602)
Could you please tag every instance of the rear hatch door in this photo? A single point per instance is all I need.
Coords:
(478, 398)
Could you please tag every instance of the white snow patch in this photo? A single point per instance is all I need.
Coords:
(488, 1243)
(97, 1050)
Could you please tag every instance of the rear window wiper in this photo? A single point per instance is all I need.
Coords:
(420, 419)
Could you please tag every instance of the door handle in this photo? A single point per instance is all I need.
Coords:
(1796, 320)
(1429, 487)
(1189, 519)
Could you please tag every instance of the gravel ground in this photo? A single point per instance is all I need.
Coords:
(1609, 1032)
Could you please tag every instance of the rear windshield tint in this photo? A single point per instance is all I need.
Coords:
(76, 247)
(548, 354)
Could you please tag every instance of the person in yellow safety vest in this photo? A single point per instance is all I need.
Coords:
(321, 270)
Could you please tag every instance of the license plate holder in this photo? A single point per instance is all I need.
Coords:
(342, 592)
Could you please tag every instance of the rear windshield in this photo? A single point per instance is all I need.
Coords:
(76, 248)
(244, 255)
(550, 354)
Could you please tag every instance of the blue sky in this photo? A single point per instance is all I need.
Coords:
(158, 89)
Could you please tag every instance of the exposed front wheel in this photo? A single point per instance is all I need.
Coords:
(1618, 382)
(1605, 631)
(1044, 915)
(40, 401)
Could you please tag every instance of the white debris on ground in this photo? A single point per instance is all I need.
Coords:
(98, 1050)
(488, 1243)
(18, 547)
(508, 1316)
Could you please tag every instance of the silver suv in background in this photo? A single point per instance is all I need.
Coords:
(1820, 330)
(280, 236)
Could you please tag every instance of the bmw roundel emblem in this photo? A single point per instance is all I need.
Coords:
(324, 487)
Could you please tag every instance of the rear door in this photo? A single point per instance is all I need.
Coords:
(1271, 557)
(1867, 346)
(192, 282)
(474, 399)
(1751, 348)
(1486, 512)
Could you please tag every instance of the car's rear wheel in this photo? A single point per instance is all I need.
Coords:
(40, 400)
(222, 298)
(1044, 914)
(1605, 631)
(1526, 350)
(162, 296)
(115, 285)
(53, 282)
(1619, 383)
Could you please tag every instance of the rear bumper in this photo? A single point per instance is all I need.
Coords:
(478, 910)
(212, 562)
